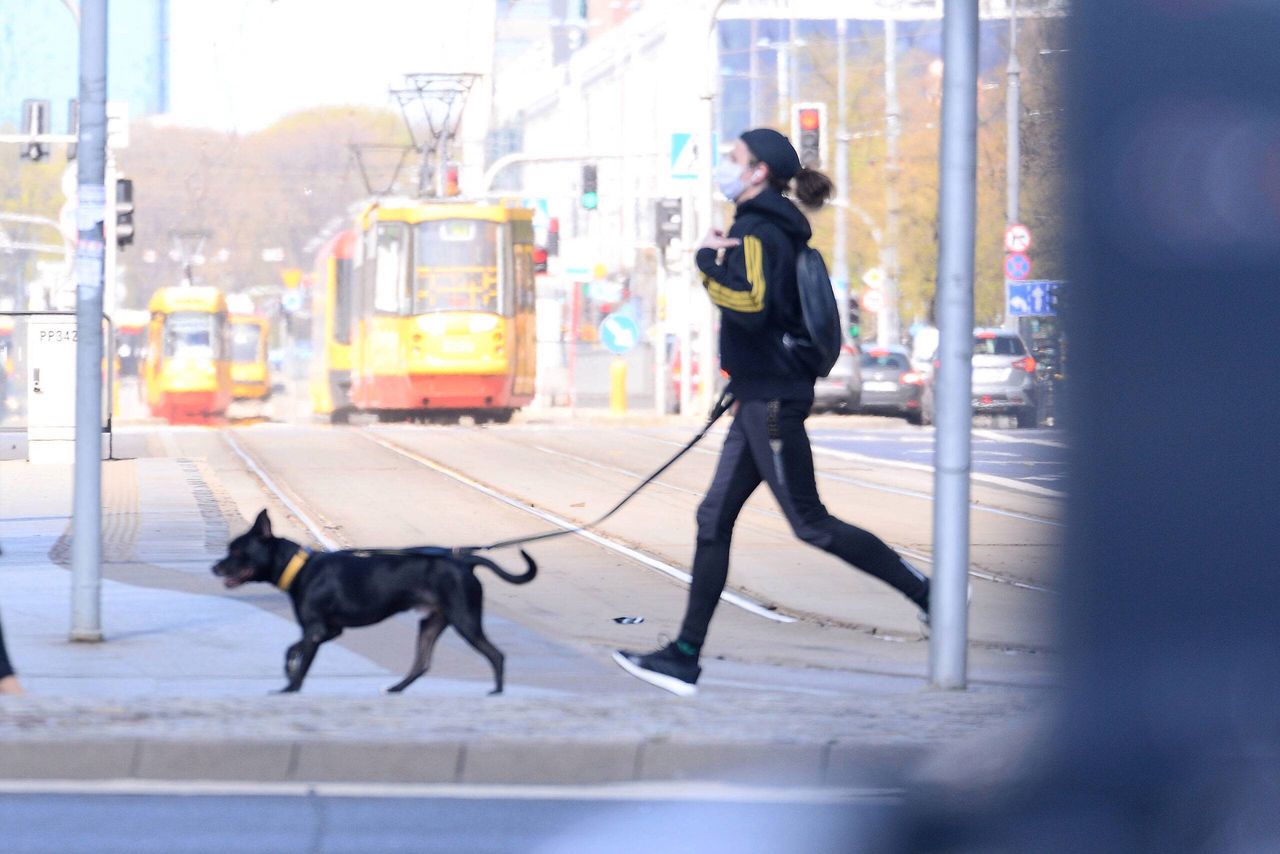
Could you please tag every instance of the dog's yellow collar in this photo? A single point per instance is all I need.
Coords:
(292, 569)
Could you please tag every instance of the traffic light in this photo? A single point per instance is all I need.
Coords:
(855, 318)
(668, 216)
(590, 197)
(807, 123)
(35, 122)
(553, 237)
(124, 212)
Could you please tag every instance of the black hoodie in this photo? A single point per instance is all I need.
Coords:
(755, 287)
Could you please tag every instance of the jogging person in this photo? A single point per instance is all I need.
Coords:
(751, 276)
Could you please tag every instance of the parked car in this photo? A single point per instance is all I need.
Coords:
(1004, 378)
(890, 385)
(841, 390)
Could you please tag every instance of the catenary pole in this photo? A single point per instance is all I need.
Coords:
(840, 245)
(887, 324)
(86, 526)
(1013, 117)
(948, 644)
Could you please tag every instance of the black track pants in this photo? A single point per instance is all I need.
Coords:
(6, 669)
(767, 442)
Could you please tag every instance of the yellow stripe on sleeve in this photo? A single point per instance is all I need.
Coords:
(745, 302)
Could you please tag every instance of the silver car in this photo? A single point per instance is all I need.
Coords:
(1004, 378)
(841, 390)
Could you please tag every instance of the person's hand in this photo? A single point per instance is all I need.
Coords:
(716, 240)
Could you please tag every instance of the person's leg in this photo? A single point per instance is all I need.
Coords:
(780, 446)
(8, 681)
(735, 479)
(675, 667)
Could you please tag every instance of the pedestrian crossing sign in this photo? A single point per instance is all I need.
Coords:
(684, 157)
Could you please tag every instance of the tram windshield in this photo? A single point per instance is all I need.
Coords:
(245, 341)
(455, 266)
(192, 335)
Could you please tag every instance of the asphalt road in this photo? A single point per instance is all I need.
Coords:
(532, 820)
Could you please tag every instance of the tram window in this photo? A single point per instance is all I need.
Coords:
(245, 340)
(456, 266)
(390, 281)
(192, 334)
(342, 300)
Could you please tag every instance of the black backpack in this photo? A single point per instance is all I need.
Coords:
(818, 350)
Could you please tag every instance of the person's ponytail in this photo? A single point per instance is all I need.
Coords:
(812, 188)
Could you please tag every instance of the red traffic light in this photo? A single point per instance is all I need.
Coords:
(810, 119)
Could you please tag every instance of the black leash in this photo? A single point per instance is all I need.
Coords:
(722, 406)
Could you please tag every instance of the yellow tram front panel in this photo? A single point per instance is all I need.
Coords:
(187, 372)
(450, 290)
(250, 376)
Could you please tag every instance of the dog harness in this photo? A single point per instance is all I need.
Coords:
(292, 569)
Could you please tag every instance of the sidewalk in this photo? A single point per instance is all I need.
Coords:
(179, 689)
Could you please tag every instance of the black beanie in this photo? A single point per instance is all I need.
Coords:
(774, 150)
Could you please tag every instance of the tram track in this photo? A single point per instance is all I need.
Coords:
(907, 551)
(780, 612)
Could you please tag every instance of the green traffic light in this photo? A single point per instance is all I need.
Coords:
(854, 331)
(590, 200)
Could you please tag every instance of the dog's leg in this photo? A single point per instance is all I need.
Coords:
(474, 635)
(297, 661)
(429, 629)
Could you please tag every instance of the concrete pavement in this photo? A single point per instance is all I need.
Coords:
(179, 688)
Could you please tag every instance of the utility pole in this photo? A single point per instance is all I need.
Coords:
(86, 540)
(1013, 120)
(887, 323)
(957, 213)
(840, 246)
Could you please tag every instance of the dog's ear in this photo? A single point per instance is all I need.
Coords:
(262, 525)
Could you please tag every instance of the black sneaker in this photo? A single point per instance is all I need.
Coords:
(668, 668)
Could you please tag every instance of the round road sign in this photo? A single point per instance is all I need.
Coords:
(1017, 238)
(1017, 266)
(872, 301)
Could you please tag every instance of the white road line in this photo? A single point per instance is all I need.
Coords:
(908, 552)
(316, 531)
(638, 791)
(993, 480)
(738, 600)
(997, 436)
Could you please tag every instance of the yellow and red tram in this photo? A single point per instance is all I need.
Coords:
(331, 327)
(250, 373)
(444, 310)
(187, 369)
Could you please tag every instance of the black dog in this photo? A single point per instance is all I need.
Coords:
(332, 591)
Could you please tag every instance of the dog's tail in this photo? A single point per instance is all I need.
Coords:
(476, 560)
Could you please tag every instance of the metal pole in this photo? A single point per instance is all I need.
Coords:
(887, 324)
(86, 512)
(1013, 120)
(840, 247)
(948, 645)
(707, 352)
(753, 75)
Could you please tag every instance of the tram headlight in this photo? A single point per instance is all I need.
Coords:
(483, 323)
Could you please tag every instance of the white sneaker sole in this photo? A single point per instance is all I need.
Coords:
(658, 680)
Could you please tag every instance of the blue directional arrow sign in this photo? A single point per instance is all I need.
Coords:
(1031, 298)
(619, 333)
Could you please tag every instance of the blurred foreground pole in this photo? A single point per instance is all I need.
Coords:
(948, 643)
(1166, 731)
(86, 512)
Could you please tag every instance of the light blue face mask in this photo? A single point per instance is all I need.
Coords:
(729, 179)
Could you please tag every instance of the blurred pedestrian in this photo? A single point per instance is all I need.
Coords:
(751, 276)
